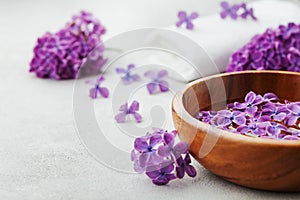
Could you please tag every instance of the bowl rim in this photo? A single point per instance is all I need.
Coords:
(177, 105)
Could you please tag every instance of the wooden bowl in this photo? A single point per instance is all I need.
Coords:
(252, 162)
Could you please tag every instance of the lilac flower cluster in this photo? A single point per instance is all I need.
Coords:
(236, 10)
(161, 158)
(258, 116)
(60, 55)
(275, 49)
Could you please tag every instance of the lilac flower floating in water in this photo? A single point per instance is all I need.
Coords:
(97, 89)
(61, 55)
(275, 49)
(127, 77)
(131, 110)
(258, 116)
(226, 117)
(158, 83)
(161, 158)
(187, 19)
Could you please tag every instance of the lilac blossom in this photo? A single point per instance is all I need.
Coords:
(277, 112)
(247, 12)
(184, 166)
(225, 118)
(127, 77)
(62, 54)
(251, 102)
(260, 116)
(158, 83)
(256, 128)
(162, 176)
(187, 19)
(275, 49)
(170, 149)
(274, 129)
(160, 157)
(97, 89)
(147, 150)
(228, 10)
(293, 115)
(131, 110)
(206, 116)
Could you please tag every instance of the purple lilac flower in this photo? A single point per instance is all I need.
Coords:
(277, 112)
(97, 89)
(162, 176)
(228, 10)
(147, 150)
(127, 77)
(287, 31)
(157, 154)
(131, 110)
(260, 116)
(293, 115)
(184, 166)
(225, 118)
(275, 49)
(256, 128)
(274, 129)
(61, 55)
(251, 102)
(206, 116)
(158, 82)
(170, 149)
(291, 137)
(247, 12)
(187, 19)
(294, 59)
(268, 97)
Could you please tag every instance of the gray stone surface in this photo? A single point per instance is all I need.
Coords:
(41, 156)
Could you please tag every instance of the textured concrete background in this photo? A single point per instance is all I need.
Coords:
(41, 156)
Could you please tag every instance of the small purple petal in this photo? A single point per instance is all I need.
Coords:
(164, 151)
(163, 86)
(104, 92)
(134, 107)
(120, 70)
(179, 172)
(181, 147)
(191, 171)
(93, 93)
(151, 88)
(140, 144)
(137, 117)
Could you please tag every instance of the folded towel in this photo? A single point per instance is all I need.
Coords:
(206, 49)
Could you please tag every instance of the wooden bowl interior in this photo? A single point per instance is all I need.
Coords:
(201, 95)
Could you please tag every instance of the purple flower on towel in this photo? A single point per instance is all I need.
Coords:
(228, 10)
(187, 19)
(158, 83)
(127, 77)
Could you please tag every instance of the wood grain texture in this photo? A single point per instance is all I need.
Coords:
(252, 162)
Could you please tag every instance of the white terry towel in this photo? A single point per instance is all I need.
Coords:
(207, 48)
